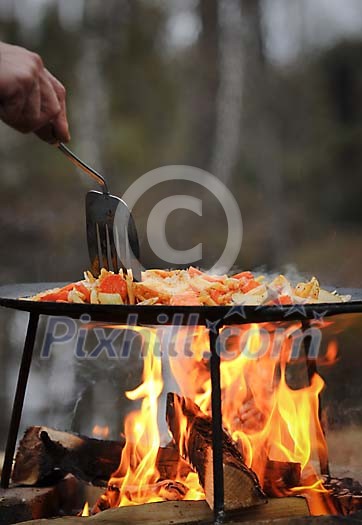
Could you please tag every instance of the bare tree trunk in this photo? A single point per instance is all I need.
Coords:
(262, 142)
(229, 99)
(205, 85)
(91, 108)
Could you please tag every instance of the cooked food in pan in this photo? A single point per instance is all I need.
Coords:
(190, 287)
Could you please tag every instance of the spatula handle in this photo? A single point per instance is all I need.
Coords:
(82, 165)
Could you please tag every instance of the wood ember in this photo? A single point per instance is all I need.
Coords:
(241, 486)
(45, 455)
(346, 494)
(170, 464)
(166, 489)
(279, 476)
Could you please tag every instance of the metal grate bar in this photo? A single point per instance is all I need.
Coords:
(311, 364)
(218, 471)
(19, 399)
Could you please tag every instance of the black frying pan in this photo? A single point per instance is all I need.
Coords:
(179, 315)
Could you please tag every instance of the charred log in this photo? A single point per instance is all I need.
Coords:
(170, 464)
(168, 490)
(346, 494)
(241, 486)
(46, 455)
(279, 476)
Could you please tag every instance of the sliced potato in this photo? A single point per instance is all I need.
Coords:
(76, 297)
(255, 297)
(306, 290)
(109, 298)
(146, 302)
(94, 297)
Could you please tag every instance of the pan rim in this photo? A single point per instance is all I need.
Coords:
(150, 314)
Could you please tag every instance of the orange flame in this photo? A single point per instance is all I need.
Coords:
(269, 419)
(331, 356)
(137, 476)
(266, 417)
(137, 468)
(100, 431)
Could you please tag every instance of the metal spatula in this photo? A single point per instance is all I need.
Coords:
(111, 244)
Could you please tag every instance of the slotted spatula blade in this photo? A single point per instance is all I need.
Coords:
(111, 234)
(112, 244)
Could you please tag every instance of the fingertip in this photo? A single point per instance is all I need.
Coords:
(61, 128)
(65, 134)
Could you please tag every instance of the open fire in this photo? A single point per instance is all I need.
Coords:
(272, 443)
(270, 407)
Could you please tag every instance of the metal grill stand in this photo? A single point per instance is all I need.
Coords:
(152, 317)
(18, 404)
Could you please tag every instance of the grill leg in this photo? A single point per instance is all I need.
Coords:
(19, 399)
(218, 474)
(311, 370)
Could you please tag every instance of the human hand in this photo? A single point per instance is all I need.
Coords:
(31, 99)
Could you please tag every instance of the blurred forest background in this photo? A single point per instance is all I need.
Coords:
(264, 94)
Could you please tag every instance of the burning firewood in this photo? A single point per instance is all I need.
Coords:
(279, 476)
(346, 494)
(45, 454)
(168, 490)
(192, 432)
(170, 464)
